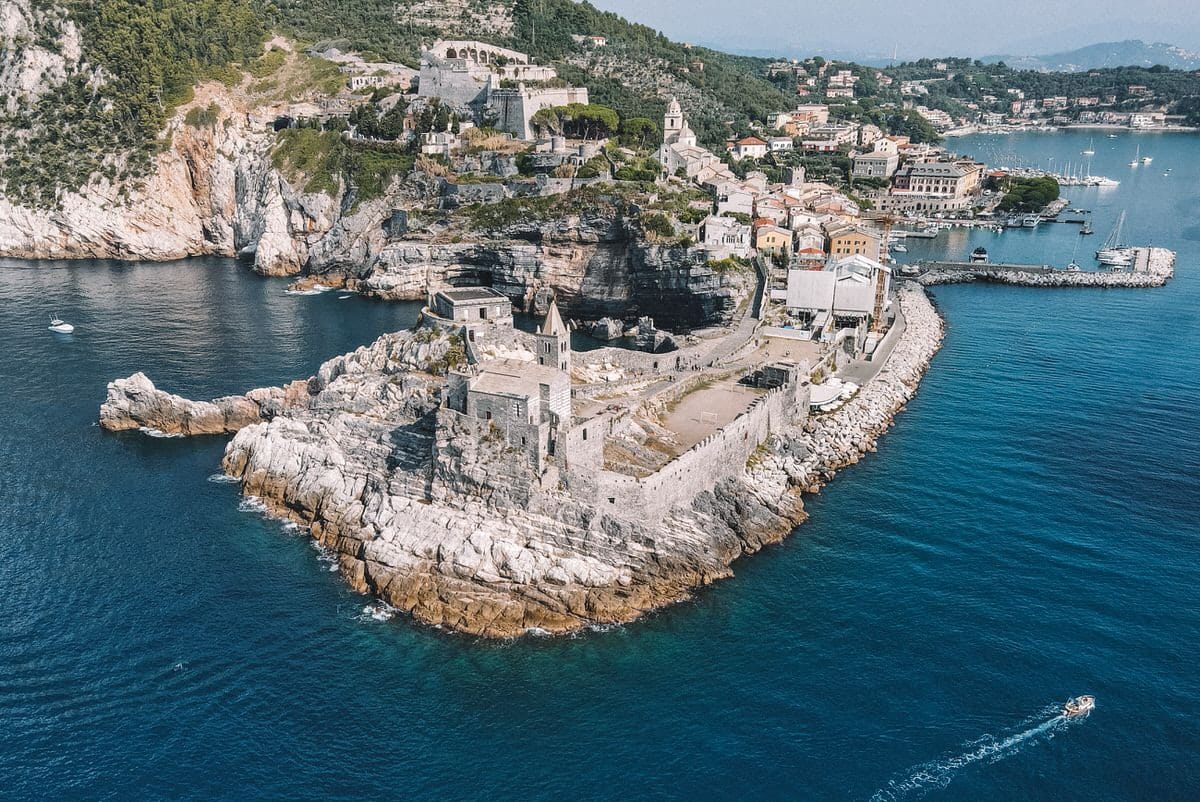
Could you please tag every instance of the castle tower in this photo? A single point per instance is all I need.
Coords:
(554, 341)
(672, 122)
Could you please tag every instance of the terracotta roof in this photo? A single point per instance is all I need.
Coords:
(750, 140)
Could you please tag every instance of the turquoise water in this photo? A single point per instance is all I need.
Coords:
(1026, 533)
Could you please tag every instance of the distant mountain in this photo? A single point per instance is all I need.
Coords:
(1129, 53)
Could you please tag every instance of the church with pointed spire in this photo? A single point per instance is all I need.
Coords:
(528, 402)
(554, 341)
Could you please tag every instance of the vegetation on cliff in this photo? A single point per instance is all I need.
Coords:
(142, 58)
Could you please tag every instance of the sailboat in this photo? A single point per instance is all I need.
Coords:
(1137, 157)
(1091, 148)
(1112, 252)
(1073, 266)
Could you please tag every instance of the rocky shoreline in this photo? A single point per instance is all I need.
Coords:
(454, 543)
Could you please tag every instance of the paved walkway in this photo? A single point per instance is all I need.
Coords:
(861, 371)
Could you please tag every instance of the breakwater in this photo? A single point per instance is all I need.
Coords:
(1153, 267)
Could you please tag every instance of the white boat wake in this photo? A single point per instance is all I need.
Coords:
(936, 774)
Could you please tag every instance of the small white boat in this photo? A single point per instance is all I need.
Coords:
(1091, 148)
(1079, 706)
(1073, 267)
(1137, 157)
(60, 326)
(900, 248)
(1147, 159)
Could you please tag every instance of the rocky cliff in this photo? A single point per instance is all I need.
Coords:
(597, 266)
(213, 191)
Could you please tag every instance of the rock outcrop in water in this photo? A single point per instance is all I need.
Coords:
(455, 528)
(135, 403)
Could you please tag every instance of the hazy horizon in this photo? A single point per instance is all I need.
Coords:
(930, 28)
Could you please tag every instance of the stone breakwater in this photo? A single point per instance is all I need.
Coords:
(830, 442)
(1159, 269)
(454, 528)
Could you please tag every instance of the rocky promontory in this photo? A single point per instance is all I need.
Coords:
(458, 531)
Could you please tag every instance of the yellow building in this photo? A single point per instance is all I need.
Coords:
(771, 240)
(847, 240)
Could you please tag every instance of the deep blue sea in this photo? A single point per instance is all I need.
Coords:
(1027, 532)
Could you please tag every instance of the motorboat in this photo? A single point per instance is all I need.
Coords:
(900, 248)
(1112, 136)
(1147, 159)
(60, 326)
(1031, 221)
(1086, 228)
(1073, 267)
(979, 255)
(1079, 706)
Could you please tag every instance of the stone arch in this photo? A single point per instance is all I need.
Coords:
(474, 55)
(450, 53)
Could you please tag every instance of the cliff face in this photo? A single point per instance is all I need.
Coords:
(214, 191)
(597, 267)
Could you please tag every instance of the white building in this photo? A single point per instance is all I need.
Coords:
(846, 291)
(725, 236)
(748, 147)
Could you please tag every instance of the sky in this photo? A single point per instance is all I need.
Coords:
(915, 28)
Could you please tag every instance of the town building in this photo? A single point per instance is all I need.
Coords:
(878, 164)
(772, 240)
(749, 147)
(845, 239)
(725, 236)
(938, 179)
(846, 293)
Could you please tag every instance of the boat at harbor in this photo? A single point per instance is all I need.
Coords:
(1079, 706)
(1091, 148)
(1086, 228)
(900, 247)
(1137, 157)
(1113, 252)
(1030, 221)
(979, 256)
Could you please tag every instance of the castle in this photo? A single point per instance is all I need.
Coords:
(493, 82)
(513, 426)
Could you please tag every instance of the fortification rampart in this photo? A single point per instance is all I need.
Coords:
(720, 456)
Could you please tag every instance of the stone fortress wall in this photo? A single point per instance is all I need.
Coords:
(720, 456)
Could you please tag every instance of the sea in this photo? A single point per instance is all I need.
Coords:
(1028, 531)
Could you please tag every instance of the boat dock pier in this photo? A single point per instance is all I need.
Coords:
(1152, 267)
